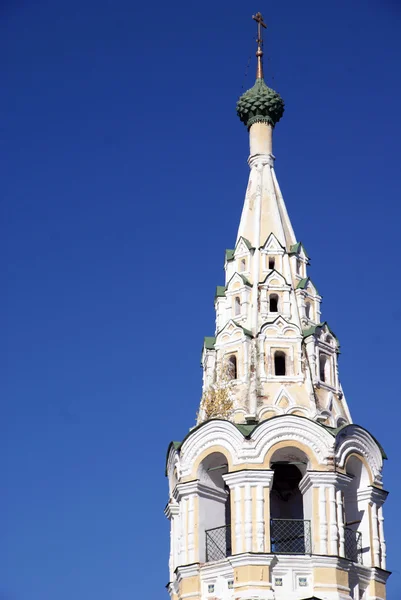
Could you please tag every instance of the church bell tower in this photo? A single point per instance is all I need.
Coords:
(275, 494)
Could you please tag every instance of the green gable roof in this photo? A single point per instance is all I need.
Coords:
(312, 330)
(220, 291)
(209, 342)
(295, 248)
(247, 243)
(304, 282)
(230, 254)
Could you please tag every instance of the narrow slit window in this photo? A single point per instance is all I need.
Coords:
(273, 303)
(298, 267)
(324, 368)
(237, 306)
(308, 310)
(279, 363)
(272, 262)
(232, 367)
(242, 265)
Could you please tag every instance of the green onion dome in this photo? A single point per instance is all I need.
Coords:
(260, 104)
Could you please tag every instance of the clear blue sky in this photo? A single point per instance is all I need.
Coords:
(124, 171)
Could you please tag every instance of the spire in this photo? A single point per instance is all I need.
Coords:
(259, 52)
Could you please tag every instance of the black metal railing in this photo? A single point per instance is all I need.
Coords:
(218, 543)
(290, 536)
(353, 545)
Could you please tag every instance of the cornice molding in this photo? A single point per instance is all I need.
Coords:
(319, 478)
(251, 476)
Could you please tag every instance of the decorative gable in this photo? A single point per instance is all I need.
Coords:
(242, 248)
(280, 327)
(232, 331)
(307, 285)
(272, 245)
(275, 280)
(236, 282)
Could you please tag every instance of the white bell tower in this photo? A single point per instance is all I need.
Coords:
(275, 494)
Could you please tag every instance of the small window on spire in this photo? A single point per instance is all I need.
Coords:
(242, 265)
(232, 367)
(271, 262)
(308, 310)
(237, 306)
(273, 303)
(324, 368)
(279, 363)
(298, 266)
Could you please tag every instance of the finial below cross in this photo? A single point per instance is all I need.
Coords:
(259, 52)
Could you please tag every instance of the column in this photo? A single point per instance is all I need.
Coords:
(248, 517)
(260, 519)
(333, 529)
(249, 523)
(323, 520)
(375, 536)
(340, 521)
(323, 505)
(381, 539)
(185, 523)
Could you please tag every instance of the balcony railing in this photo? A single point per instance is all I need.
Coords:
(218, 543)
(290, 536)
(353, 545)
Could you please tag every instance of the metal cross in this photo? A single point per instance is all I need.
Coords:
(259, 53)
(259, 20)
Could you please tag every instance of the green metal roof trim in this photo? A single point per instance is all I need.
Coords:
(220, 291)
(275, 271)
(271, 234)
(304, 282)
(294, 249)
(247, 243)
(244, 279)
(247, 431)
(312, 330)
(209, 342)
(246, 331)
(260, 104)
(229, 254)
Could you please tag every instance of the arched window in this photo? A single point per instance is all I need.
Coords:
(242, 265)
(232, 367)
(288, 506)
(273, 303)
(308, 310)
(298, 266)
(271, 262)
(279, 363)
(237, 306)
(324, 368)
(214, 534)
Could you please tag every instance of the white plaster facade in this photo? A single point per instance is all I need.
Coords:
(289, 419)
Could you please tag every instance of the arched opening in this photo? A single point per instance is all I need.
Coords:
(214, 509)
(271, 262)
(308, 310)
(324, 368)
(273, 303)
(279, 363)
(242, 265)
(290, 531)
(237, 305)
(356, 512)
(298, 266)
(232, 366)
